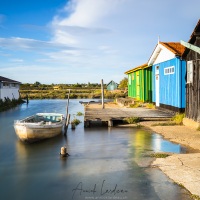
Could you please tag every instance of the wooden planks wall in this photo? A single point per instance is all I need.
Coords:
(193, 89)
(193, 93)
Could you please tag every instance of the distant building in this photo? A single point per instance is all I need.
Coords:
(112, 86)
(140, 83)
(56, 87)
(168, 76)
(9, 88)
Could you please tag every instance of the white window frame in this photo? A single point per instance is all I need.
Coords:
(169, 70)
(190, 71)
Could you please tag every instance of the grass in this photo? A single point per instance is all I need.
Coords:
(132, 120)
(195, 197)
(150, 106)
(79, 114)
(159, 155)
(75, 121)
(164, 124)
(135, 105)
(178, 118)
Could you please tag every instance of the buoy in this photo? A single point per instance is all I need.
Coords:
(63, 152)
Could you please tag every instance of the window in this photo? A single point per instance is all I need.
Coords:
(190, 71)
(169, 70)
(5, 84)
(13, 85)
(129, 79)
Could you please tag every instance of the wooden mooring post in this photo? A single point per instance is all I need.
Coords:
(67, 118)
(102, 93)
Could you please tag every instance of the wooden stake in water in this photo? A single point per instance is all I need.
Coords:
(63, 152)
(102, 93)
(67, 115)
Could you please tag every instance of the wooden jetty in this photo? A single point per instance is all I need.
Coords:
(113, 112)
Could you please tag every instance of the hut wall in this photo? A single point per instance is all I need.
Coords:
(140, 84)
(171, 86)
(193, 89)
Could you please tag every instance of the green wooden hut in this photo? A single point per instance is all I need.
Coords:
(140, 83)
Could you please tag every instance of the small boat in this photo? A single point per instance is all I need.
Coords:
(39, 126)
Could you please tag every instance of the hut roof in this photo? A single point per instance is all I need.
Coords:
(174, 47)
(192, 39)
(4, 79)
(136, 68)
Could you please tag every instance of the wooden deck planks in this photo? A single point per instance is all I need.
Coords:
(111, 111)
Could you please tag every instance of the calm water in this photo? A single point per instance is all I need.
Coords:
(104, 163)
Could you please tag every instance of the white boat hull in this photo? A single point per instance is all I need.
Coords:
(32, 132)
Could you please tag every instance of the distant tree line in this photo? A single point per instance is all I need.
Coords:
(39, 86)
(77, 91)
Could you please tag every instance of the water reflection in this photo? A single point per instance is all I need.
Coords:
(36, 171)
(142, 141)
(161, 145)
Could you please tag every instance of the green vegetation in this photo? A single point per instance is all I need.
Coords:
(164, 124)
(60, 91)
(75, 121)
(150, 105)
(123, 84)
(195, 197)
(7, 103)
(159, 155)
(135, 105)
(178, 118)
(79, 114)
(132, 120)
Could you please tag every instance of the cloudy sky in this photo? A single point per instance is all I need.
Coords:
(70, 41)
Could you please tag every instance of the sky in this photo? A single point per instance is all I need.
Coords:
(81, 41)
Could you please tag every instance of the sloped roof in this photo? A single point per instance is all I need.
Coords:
(193, 37)
(113, 82)
(4, 79)
(137, 68)
(174, 47)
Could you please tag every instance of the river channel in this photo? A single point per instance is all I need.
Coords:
(104, 163)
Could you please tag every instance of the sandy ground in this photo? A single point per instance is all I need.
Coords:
(184, 169)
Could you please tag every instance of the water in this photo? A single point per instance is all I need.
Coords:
(104, 163)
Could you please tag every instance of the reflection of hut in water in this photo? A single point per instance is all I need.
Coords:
(141, 141)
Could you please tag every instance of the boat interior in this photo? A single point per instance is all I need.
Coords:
(44, 118)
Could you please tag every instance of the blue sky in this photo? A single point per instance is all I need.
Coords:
(70, 41)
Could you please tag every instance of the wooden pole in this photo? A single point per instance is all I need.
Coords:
(67, 115)
(102, 93)
(67, 103)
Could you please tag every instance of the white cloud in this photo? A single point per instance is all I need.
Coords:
(84, 16)
(30, 44)
(94, 39)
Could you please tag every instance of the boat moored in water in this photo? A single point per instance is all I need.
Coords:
(39, 126)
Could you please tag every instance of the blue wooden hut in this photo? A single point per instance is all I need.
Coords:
(112, 85)
(168, 76)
